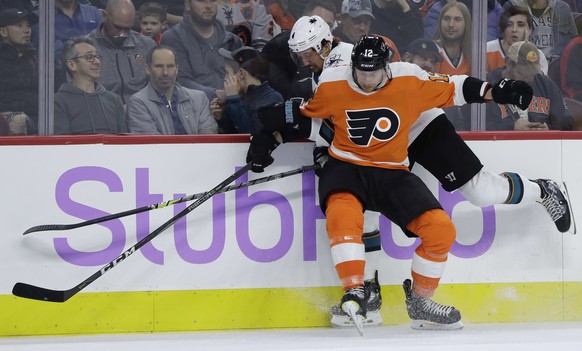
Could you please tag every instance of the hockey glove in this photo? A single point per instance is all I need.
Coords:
(262, 144)
(320, 155)
(277, 116)
(515, 92)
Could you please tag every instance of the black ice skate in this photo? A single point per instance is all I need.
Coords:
(557, 203)
(340, 319)
(429, 315)
(354, 304)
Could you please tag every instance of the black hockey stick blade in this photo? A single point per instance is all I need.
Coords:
(43, 294)
(37, 293)
(61, 227)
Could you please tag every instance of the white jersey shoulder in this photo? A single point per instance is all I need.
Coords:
(403, 69)
(334, 74)
(339, 56)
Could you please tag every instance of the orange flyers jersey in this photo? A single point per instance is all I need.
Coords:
(447, 67)
(496, 57)
(371, 129)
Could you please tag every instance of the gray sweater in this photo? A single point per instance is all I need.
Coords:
(78, 112)
(123, 69)
(201, 66)
(147, 114)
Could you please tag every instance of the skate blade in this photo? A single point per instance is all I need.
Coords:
(426, 325)
(373, 319)
(351, 308)
(572, 229)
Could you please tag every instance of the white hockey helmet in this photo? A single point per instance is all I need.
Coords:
(309, 32)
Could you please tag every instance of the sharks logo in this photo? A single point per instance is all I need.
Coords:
(381, 124)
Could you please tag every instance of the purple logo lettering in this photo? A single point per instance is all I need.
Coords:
(69, 206)
(244, 206)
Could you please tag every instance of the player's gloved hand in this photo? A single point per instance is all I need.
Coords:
(276, 116)
(262, 144)
(515, 92)
(320, 156)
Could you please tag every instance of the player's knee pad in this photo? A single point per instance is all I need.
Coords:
(488, 188)
(344, 217)
(436, 230)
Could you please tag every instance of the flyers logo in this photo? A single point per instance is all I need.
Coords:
(381, 124)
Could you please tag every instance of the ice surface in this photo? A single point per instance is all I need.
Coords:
(496, 337)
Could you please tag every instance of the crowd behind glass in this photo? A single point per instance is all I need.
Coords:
(205, 66)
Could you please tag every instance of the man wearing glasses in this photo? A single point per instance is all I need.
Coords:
(123, 50)
(84, 106)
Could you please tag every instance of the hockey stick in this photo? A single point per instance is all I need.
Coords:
(48, 227)
(37, 293)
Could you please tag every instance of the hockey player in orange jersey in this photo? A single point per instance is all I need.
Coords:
(369, 166)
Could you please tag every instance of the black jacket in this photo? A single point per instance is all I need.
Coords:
(19, 81)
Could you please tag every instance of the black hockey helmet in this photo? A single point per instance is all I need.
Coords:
(370, 53)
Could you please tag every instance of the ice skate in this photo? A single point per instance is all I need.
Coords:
(426, 314)
(557, 203)
(373, 318)
(354, 304)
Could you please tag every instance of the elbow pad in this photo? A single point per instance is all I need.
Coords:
(280, 115)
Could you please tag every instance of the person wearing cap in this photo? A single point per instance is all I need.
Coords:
(196, 41)
(123, 50)
(356, 18)
(547, 109)
(18, 68)
(423, 53)
(246, 89)
(165, 107)
(397, 20)
(515, 24)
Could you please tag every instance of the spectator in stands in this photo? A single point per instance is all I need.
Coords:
(547, 109)
(515, 24)
(494, 10)
(164, 106)
(195, 41)
(571, 69)
(24, 5)
(153, 20)
(397, 20)
(356, 18)
(245, 89)
(454, 39)
(249, 20)
(297, 8)
(283, 71)
(423, 53)
(175, 8)
(553, 24)
(18, 66)
(122, 49)
(84, 106)
(73, 19)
